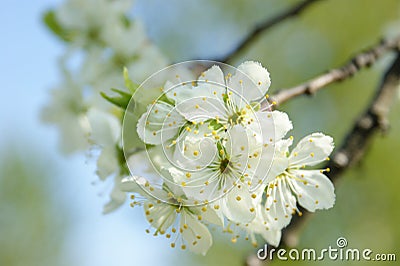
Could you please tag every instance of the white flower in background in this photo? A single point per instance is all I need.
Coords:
(102, 39)
(66, 110)
(182, 224)
(290, 183)
(86, 19)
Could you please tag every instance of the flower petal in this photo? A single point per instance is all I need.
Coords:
(159, 124)
(311, 150)
(201, 105)
(117, 197)
(105, 128)
(280, 204)
(107, 163)
(238, 205)
(197, 235)
(251, 80)
(274, 125)
(213, 75)
(272, 236)
(160, 215)
(314, 190)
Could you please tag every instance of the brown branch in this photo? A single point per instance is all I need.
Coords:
(265, 25)
(361, 60)
(355, 144)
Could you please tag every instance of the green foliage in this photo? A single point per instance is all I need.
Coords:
(129, 84)
(50, 20)
(32, 220)
(121, 100)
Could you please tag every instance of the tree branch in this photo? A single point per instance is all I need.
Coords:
(265, 25)
(354, 146)
(361, 60)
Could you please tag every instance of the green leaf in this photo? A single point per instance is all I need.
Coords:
(121, 101)
(50, 20)
(130, 85)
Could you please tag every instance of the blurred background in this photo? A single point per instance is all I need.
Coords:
(51, 204)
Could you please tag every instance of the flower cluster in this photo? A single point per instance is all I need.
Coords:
(220, 155)
(100, 38)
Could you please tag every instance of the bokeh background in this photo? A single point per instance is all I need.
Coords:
(50, 204)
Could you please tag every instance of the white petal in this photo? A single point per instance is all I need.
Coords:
(213, 75)
(197, 235)
(272, 236)
(131, 184)
(315, 191)
(105, 128)
(238, 205)
(311, 150)
(213, 216)
(200, 103)
(107, 162)
(274, 125)
(279, 204)
(160, 215)
(159, 124)
(117, 197)
(197, 149)
(251, 80)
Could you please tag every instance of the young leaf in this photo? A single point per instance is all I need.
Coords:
(49, 18)
(121, 101)
(130, 85)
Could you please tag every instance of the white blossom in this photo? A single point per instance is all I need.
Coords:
(291, 183)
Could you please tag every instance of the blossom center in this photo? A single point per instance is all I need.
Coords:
(223, 165)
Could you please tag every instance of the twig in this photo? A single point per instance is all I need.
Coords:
(361, 60)
(357, 141)
(267, 24)
(355, 144)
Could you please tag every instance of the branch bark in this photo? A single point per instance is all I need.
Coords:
(265, 25)
(373, 119)
(358, 62)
